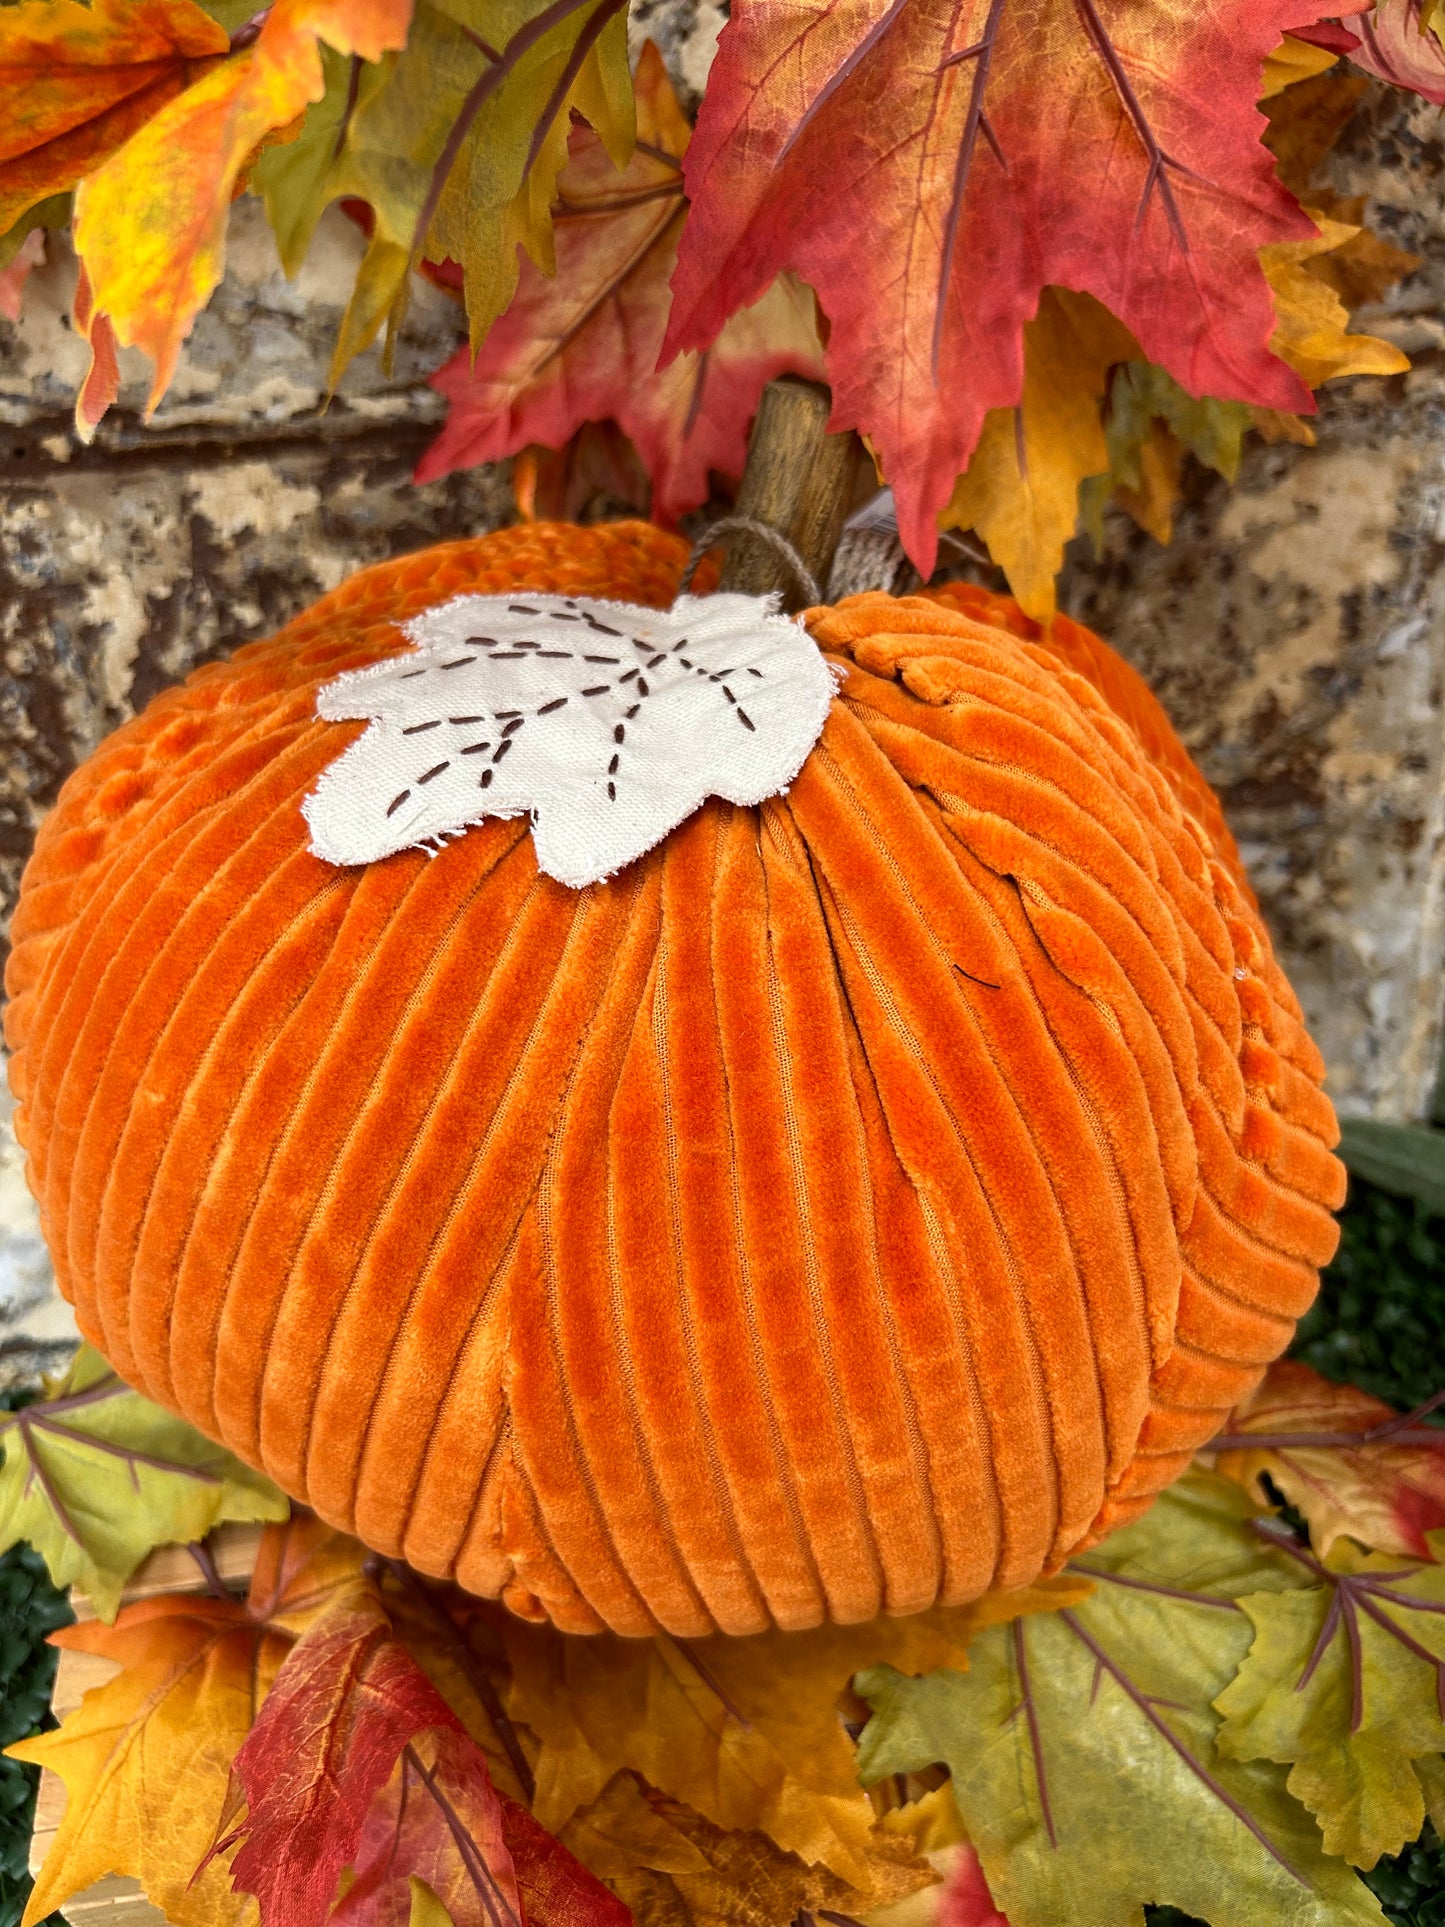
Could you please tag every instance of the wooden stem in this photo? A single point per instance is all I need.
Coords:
(799, 480)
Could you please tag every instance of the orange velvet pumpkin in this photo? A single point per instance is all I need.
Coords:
(860, 1201)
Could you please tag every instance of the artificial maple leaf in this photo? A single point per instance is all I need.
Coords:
(1294, 60)
(1082, 1743)
(453, 1638)
(744, 1731)
(77, 81)
(671, 1865)
(146, 1757)
(1305, 120)
(1395, 46)
(1299, 1431)
(95, 1477)
(16, 272)
(1151, 423)
(1345, 1683)
(1021, 491)
(896, 157)
(438, 1819)
(345, 1704)
(583, 346)
(1311, 321)
(596, 466)
(150, 222)
(457, 150)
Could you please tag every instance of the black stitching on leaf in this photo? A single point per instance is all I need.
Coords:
(502, 749)
(511, 728)
(746, 720)
(486, 777)
(396, 802)
(435, 770)
(557, 702)
(457, 662)
(597, 689)
(612, 792)
(600, 627)
(620, 733)
(461, 722)
(415, 729)
(521, 609)
(612, 766)
(614, 660)
(475, 749)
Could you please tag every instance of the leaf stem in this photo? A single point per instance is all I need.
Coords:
(473, 1859)
(581, 48)
(1036, 1738)
(477, 1677)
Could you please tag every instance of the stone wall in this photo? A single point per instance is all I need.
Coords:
(1294, 628)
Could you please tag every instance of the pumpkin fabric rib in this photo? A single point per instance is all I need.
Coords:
(861, 1201)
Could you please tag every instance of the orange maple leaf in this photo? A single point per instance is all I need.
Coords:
(583, 347)
(77, 81)
(150, 223)
(1387, 1490)
(930, 166)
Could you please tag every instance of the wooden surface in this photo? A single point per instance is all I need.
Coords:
(799, 480)
(117, 1901)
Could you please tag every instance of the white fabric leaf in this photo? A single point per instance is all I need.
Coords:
(608, 724)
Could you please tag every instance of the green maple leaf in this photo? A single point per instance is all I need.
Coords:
(1082, 1742)
(97, 1477)
(456, 146)
(1345, 1683)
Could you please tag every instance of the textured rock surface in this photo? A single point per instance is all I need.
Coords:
(1294, 628)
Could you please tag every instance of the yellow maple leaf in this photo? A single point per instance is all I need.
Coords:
(146, 1758)
(669, 1864)
(1293, 60)
(1021, 490)
(150, 223)
(1311, 331)
(745, 1731)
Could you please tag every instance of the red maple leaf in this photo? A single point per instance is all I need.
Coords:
(585, 346)
(1349, 1463)
(930, 166)
(356, 1761)
(345, 1704)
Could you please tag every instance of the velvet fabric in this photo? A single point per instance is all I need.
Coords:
(861, 1201)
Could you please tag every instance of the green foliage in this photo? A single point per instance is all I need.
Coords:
(1411, 1887)
(30, 1607)
(1379, 1321)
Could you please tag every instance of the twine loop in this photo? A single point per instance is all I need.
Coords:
(772, 538)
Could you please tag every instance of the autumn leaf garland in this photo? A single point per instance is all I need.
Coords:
(1205, 1709)
(870, 194)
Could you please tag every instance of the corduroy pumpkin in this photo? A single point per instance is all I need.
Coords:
(861, 1200)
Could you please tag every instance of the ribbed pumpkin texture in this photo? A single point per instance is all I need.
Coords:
(861, 1201)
